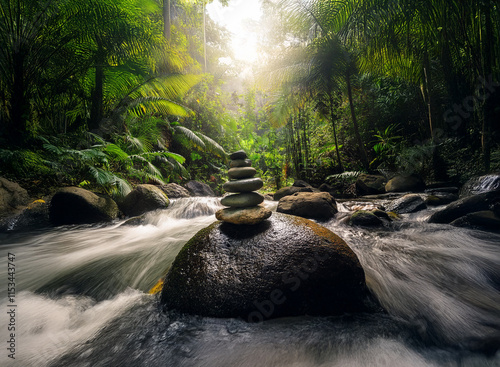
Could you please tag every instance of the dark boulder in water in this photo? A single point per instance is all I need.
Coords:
(464, 206)
(74, 205)
(142, 199)
(284, 266)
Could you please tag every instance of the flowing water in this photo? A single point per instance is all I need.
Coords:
(82, 299)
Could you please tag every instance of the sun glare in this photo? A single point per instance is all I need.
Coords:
(240, 18)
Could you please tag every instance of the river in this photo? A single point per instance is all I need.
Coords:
(81, 299)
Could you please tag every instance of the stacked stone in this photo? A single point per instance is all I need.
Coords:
(244, 202)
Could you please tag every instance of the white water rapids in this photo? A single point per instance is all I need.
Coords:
(82, 300)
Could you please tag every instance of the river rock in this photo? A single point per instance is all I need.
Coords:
(197, 188)
(482, 184)
(251, 215)
(440, 198)
(365, 218)
(464, 206)
(242, 200)
(412, 183)
(34, 216)
(324, 187)
(241, 172)
(142, 199)
(316, 205)
(370, 184)
(486, 220)
(12, 196)
(240, 163)
(74, 205)
(174, 191)
(284, 266)
(240, 154)
(244, 185)
(301, 183)
(290, 190)
(410, 203)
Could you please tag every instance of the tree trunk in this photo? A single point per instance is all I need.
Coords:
(489, 106)
(18, 103)
(96, 111)
(332, 120)
(166, 19)
(362, 151)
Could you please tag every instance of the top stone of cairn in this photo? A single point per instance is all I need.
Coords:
(240, 154)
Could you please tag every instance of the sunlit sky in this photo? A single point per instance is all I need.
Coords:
(237, 18)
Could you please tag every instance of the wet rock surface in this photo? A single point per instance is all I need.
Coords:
(320, 205)
(285, 266)
(464, 206)
(74, 205)
(410, 203)
(142, 199)
(411, 183)
(197, 188)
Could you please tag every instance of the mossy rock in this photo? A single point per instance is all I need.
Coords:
(284, 266)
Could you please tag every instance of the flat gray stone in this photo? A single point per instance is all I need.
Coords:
(241, 172)
(245, 185)
(240, 154)
(240, 163)
(252, 215)
(242, 200)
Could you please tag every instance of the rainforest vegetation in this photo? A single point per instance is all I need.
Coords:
(105, 94)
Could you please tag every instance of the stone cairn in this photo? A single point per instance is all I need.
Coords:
(244, 204)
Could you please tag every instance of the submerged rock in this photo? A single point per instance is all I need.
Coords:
(74, 205)
(285, 266)
(317, 205)
(142, 199)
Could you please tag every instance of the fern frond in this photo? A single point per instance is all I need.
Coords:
(192, 137)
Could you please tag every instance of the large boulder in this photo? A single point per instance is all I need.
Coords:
(12, 196)
(285, 266)
(370, 184)
(74, 205)
(290, 190)
(316, 205)
(142, 199)
(464, 206)
(197, 188)
(411, 183)
(409, 203)
(174, 191)
(485, 220)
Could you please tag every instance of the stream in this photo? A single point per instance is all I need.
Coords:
(82, 299)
